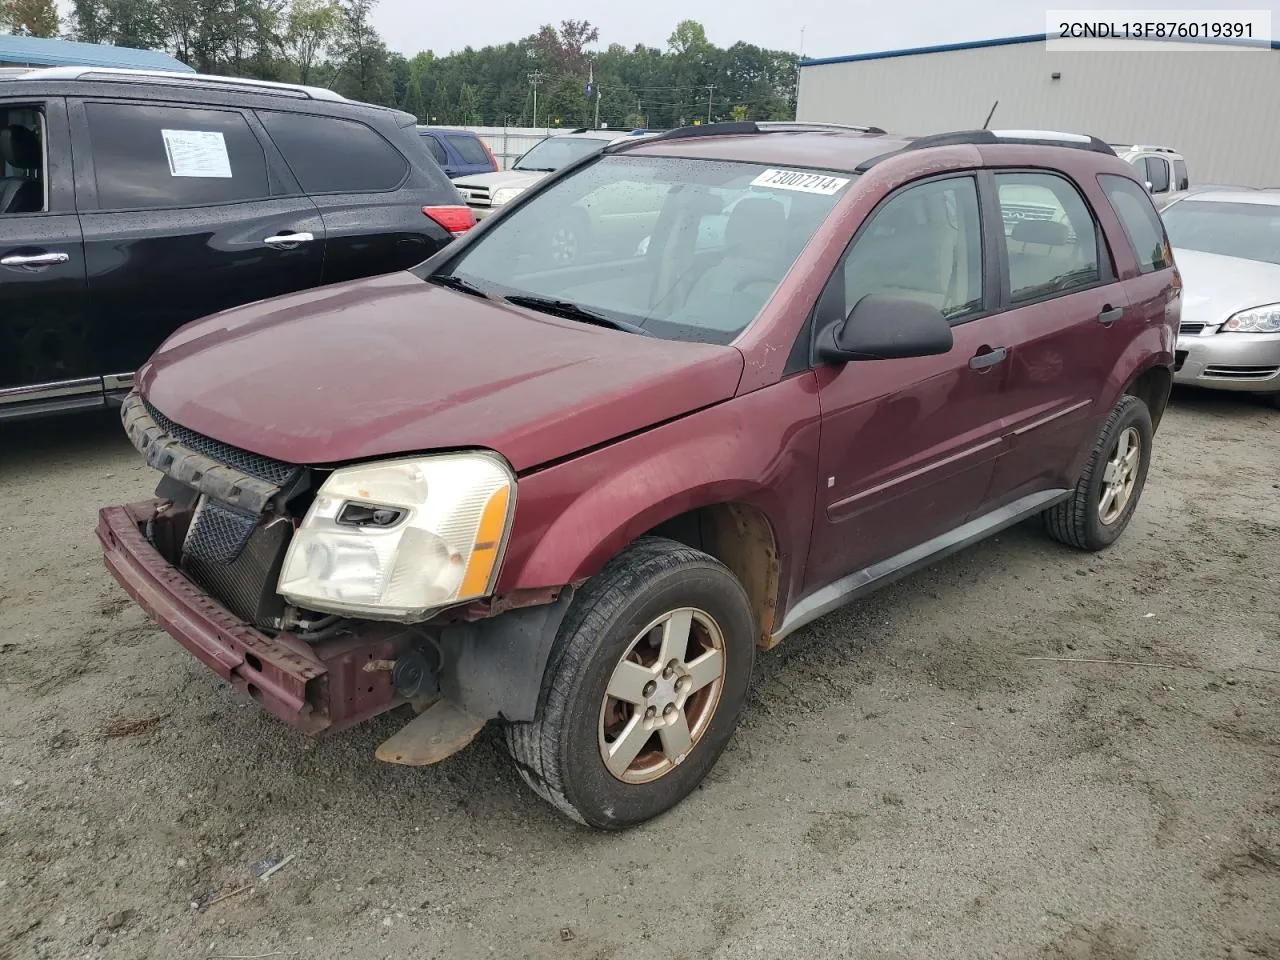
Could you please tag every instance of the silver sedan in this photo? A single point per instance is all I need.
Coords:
(1226, 244)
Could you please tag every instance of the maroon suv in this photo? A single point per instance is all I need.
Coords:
(795, 364)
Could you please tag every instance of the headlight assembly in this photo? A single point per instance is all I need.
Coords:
(504, 195)
(400, 539)
(1255, 320)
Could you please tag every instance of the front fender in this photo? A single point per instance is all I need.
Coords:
(759, 449)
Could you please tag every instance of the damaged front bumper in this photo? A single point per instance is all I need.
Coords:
(313, 686)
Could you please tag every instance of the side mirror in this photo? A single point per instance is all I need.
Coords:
(886, 328)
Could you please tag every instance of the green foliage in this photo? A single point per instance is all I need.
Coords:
(333, 43)
(30, 18)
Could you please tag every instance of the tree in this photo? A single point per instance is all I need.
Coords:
(310, 27)
(412, 102)
(688, 36)
(363, 63)
(31, 18)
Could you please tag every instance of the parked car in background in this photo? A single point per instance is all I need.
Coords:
(575, 499)
(133, 202)
(1163, 170)
(1227, 245)
(489, 192)
(460, 153)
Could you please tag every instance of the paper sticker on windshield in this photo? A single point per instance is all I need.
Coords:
(800, 180)
(196, 153)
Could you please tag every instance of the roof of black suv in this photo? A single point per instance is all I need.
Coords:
(194, 86)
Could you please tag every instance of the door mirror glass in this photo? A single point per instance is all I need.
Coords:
(886, 328)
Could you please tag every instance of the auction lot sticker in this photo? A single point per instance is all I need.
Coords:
(801, 181)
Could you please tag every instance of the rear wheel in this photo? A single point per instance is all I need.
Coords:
(644, 687)
(1104, 500)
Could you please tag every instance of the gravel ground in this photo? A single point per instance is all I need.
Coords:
(907, 783)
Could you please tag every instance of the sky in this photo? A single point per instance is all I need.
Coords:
(831, 27)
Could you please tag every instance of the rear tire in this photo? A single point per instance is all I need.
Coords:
(1103, 501)
(615, 761)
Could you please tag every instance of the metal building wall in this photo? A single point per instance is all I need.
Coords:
(1219, 107)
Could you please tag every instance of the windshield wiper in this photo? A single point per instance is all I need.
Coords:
(454, 282)
(536, 169)
(572, 311)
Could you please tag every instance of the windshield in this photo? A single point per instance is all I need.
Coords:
(1250, 231)
(681, 249)
(556, 152)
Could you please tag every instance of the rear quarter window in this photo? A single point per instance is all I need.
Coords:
(335, 155)
(469, 148)
(1141, 223)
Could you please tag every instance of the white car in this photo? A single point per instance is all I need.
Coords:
(486, 193)
(1226, 244)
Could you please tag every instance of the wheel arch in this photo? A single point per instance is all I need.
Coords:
(1152, 386)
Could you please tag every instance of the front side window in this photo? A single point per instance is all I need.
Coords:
(1250, 231)
(1051, 238)
(436, 148)
(149, 157)
(923, 244)
(556, 152)
(675, 248)
(333, 155)
(1142, 225)
(23, 180)
(1158, 174)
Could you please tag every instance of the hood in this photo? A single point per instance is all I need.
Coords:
(502, 178)
(1214, 287)
(393, 365)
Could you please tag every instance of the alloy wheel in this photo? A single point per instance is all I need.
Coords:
(1120, 476)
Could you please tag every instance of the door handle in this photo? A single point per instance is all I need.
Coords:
(287, 241)
(34, 260)
(1110, 315)
(980, 361)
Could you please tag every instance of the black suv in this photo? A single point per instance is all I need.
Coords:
(132, 202)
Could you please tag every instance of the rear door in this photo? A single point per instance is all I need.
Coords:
(185, 212)
(370, 195)
(908, 447)
(1067, 318)
(440, 154)
(46, 354)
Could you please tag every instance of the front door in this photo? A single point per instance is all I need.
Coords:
(908, 447)
(186, 211)
(45, 353)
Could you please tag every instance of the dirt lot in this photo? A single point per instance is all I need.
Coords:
(907, 783)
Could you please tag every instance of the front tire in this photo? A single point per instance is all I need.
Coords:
(1104, 499)
(643, 689)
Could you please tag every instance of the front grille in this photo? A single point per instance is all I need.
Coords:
(476, 196)
(1191, 329)
(218, 533)
(264, 468)
(246, 586)
(1241, 373)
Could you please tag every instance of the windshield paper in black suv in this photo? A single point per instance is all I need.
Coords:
(695, 248)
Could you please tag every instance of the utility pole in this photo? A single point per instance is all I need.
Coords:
(710, 89)
(535, 78)
(597, 108)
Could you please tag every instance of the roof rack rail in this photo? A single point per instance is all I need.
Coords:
(741, 128)
(1152, 148)
(1040, 138)
(123, 75)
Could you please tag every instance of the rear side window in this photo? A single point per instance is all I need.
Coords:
(148, 157)
(1050, 236)
(332, 155)
(1181, 180)
(1141, 223)
(436, 149)
(469, 148)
